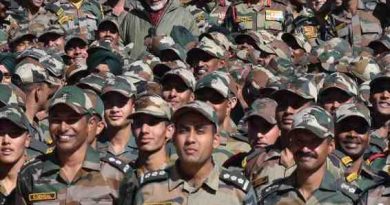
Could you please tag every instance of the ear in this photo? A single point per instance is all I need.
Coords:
(28, 140)
(216, 140)
(91, 121)
(221, 63)
(192, 96)
(100, 127)
(332, 146)
(170, 130)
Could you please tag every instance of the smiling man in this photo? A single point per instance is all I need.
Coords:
(195, 178)
(14, 140)
(73, 168)
(312, 136)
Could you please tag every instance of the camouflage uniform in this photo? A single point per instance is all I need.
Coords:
(273, 16)
(130, 153)
(378, 194)
(330, 191)
(333, 52)
(41, 180)
(220, 187)
(83, 19)
(220, 82)
(360, 28)
(207, 14)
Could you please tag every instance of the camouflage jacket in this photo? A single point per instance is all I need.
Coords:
(220, 187)
(330, 192)
(364, 179)
(129, 154)
(377, 194)
(380, 162)
(40, 181)
(82, 21)
(36, 23)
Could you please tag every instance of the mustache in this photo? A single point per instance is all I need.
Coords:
(306, 154)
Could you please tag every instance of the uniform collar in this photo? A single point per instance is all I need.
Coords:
(92, 161)
(175, 180)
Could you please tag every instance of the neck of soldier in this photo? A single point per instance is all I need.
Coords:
(227, 125)
(309, 181)
(72, 162)
(152, 161)
(31, 110)
(196, 174)
(351, 6)
(119, 137)
(356, 165)
(9, 174)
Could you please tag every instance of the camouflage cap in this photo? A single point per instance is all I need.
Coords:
(120, 85)
(97, 104)
(53, 29)
(74, 37)
(353, 109)
(264, 108)
(340, 81)
(219, 38)
(382, 77)
(186, 75)
(210, 47)
(141, 69)
(332, 51)
(108, 20)
(160, 69)
(74, 97)
(314, 119)
(15, 115)
(384, 40)
(34, 53)
(92, 81)
(31, 71)
(297, 38)
(75, 69)
(260, 39)
(300, 86)
(364, 68)
(21, 33)
(199, 107)
(217, 80)
(171, 52)
(54, 64)
(9, 96)
(152, 105)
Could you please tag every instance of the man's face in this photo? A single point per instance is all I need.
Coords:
(109, 33)
(97, 126)
(77, 51)
(194, 139)
(69, 129)
(23, 45)
(333, 98)
(47, 91)
(261, 133)
(205, 64)
(380, 98)
(309, 151)
(117, 109)
(318, 5)
(151, 133)
(216, 100)
(352, 137)
(36, 3)
(288, 104)
(176, 92)
(53, 40)
(156, 5)
(13, 142)
(102, 69)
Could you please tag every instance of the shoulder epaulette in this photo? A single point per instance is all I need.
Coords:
(350, 190)
(269, 189)
(374, 157)
(154, 176)
(378, 142)
(235, 160)
(235, 179)
(117, 163)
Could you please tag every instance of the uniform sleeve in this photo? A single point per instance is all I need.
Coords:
(128, 188)
(21, 191)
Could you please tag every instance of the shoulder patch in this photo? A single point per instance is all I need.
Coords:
(117, 163)
(350, 190)
(235, 179)
(374, 157)
(155, 176)
(269, 189)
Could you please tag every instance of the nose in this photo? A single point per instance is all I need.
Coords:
(173, 92)
(191, 137)
(290, 109)
(144, 128)
(386, 94)
(64, 126)
(5, 139)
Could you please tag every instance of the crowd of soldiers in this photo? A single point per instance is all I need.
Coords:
(194, 102)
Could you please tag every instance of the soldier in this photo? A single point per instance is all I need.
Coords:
(118, 9)
(204, 183)
(38, 86)
(206, 57)
(7, 23)
(352, 126)
(312, 141)
(277, 161)
(214, 89)
(356, 22)
(376, 194)
(272, 16)
(7, 65)
(53, 38)
(79, 16)
(152, 18)
(73, 168)
(118, 96)
(76, 50)
(14, 140)
(178, 87)
(98, 113)
(337, 89)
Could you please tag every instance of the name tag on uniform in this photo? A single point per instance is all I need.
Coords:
(274, 15)
(43, 196)
(310, 31)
